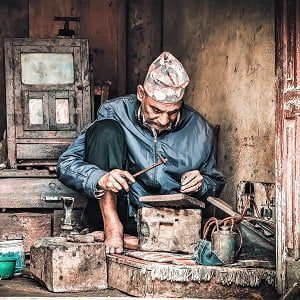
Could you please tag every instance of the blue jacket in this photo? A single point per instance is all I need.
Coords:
(187, 147)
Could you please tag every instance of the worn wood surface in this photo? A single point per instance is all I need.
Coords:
(69, 267)
(12, 173)
(173, 201)
(40, 151)
(144, 29)
(41, 13)
(30, 225)
(104, 24)
(139, 282)
(35, 193)
(58, 217)
(287, 142)
(167, 229)
(14, 23)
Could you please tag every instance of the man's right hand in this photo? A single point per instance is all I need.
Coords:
(116, 180)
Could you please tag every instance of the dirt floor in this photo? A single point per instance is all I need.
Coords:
(27, 287)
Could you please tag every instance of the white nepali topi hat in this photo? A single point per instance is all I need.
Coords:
(166, 79)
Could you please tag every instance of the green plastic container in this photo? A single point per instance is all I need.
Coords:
(7, 267)
(13, 249)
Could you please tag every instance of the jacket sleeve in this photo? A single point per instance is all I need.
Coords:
(74, 171)
(213, 180)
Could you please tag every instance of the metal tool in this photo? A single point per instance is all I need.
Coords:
(66, 226)
(66, 31)
(162, 161)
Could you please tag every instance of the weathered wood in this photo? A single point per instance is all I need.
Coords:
(12, 173)
(167, 229)
(172, 200)
(29, 225)
(144, 29)
(142, 279)
(41, 13)
(40, 151)
(35, 193)
(58, 217)
(16, 10)
(68, 266)
(287, 150)
(222, 205)
(104, 24)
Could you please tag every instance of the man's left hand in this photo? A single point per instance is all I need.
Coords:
(191, 182)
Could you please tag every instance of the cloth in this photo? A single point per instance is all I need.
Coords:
(166, 79)
(204, 255)
(187, 146)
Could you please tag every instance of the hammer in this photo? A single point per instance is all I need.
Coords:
(162, 161)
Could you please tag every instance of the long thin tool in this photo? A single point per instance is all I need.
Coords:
(162, 161)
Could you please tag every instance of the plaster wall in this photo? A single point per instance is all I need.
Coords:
(228, 49)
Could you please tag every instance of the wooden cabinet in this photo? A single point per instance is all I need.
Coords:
(48, 97)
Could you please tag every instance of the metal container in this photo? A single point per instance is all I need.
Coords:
(224, 242)
(13, 249)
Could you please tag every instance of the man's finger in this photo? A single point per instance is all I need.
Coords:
(191, 190)
(190, 184)
(128, 176)
(121, 181)
(114, 184)
(186, 178)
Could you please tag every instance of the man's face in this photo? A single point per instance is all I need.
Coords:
(158, 115)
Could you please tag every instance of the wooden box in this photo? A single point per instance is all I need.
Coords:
(69, 267)
(141, 278)
(168, 229)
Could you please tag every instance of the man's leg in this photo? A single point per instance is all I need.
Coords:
(106, 148)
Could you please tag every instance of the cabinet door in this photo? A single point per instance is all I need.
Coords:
(48, 97)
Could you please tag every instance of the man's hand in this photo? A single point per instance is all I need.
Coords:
(191, 182)
(116, 180)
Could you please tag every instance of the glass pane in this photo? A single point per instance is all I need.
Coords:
(36, 111)
(62, 111)
(47, 68)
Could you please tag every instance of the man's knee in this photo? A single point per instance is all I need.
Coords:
(105, 129)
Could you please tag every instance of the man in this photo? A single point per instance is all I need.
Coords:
(129, 134)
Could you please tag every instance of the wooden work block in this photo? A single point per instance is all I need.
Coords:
(168, 229)
(31, 226)
(141, 278)
(173, 201)
(69, 266)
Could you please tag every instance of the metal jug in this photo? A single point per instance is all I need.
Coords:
(224, 242)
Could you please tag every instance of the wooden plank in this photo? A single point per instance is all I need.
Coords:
(135, 277)
(41, 13)
(69, 266)
(222, 205)
(13, 173)
(35, 193)
(167, 229)
(58, 217)
(14, 23)
(40, 151)
(104, 24)
(172, 200)
(30, 225)
(144, 29)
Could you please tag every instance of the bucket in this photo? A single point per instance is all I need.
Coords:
(13, 249)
